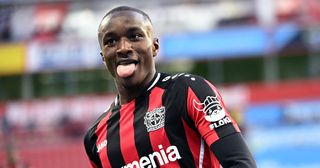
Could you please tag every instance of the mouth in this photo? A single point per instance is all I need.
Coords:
(126, 68)
(127, 62)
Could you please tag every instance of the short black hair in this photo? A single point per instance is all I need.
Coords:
(128, 8)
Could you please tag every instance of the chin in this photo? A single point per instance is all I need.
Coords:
(138, 81)
(130, 81)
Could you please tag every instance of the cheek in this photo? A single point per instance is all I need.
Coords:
(149, 55)
(111, 70)
(109, 61)
(146, 52)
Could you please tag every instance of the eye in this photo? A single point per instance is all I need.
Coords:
(135, 37)
(109, 42)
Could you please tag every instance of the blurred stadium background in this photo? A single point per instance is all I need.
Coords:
(263, 55)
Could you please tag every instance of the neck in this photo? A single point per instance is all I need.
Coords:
(126, 94)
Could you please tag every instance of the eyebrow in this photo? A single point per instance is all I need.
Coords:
(146, 31)
(108, 35)
(105, 36)
(130, 30)
(135, 28)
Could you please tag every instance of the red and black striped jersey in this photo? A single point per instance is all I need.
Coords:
(171, 124)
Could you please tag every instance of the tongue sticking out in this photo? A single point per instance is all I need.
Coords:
(125, 70)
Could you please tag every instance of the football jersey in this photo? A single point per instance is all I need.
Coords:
(171, 124)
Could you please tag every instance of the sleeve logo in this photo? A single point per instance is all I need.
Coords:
(154, 119)
(102, 145)
(211, 107)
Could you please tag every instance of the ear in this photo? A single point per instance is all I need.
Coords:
(103, 59)
(155, 46)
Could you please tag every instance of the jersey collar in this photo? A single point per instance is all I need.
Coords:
(151, 85)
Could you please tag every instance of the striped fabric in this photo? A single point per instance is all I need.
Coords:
(163, 127)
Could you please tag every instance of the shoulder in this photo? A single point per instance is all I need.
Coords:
(181, 79)
(92, 129)
(90, 140)
(90, 135)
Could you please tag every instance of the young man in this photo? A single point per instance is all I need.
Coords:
(158, 120)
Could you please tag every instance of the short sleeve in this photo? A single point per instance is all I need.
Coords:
(207, 110)
(90, 140)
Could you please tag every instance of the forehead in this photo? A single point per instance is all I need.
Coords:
(123, 19)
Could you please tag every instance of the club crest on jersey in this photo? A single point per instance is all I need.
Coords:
(211, 107)
(154, 119)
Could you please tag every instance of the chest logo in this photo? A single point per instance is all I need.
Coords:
(211, 107)
(154, 119)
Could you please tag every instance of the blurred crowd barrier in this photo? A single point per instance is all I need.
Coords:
(222, 43)
(46, 153)
(48, 132)
(282, 124)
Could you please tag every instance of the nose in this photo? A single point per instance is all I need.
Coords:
(124, 48)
